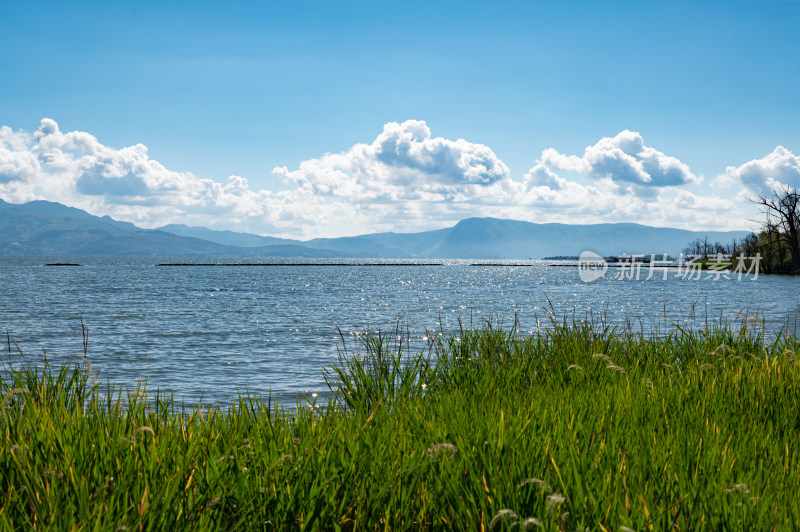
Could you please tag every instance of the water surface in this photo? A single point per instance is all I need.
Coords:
(221, 329)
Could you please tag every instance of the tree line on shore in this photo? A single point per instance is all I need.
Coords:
(777, 242)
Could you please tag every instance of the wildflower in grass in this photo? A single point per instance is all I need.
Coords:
(10, 395)
(433, 449)
(720, 348)
(536, 481)
(738, 488)
(554, 501)
(530, 522)
(141, 429)
(501, 515)
(282, 459)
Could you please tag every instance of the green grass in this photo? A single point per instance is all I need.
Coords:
(575, 427)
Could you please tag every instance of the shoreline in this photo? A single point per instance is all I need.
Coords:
(572, 426)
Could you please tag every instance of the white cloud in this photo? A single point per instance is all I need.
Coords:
(624, 181)
(124, 176)
(403, 163)
(624, 158)
(76, 169)
(17, 163)
(760, 176)
(384, 185)
(404, 180)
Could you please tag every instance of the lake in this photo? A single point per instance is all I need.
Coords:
(220, 329)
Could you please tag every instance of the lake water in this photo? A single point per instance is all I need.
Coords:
(221, 329)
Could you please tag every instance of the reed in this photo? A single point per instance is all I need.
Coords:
(575, 427)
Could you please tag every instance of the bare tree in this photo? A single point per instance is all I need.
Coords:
(784, 205)
(702, 247)
(695, 247)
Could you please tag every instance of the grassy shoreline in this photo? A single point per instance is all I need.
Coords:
(574, 427)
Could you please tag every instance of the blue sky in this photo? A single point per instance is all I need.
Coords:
(218, 90)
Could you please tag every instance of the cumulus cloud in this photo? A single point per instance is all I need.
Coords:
(17, 163)
(387, 184)
(761, 176)
(624, 158)
(623, 180)
(404, 180)
(126, 176)
(606, 201)
(77, 169)
(403, 163)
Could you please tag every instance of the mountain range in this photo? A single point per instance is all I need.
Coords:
(52, 229)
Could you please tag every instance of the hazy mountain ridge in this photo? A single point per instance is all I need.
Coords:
(49, 228)
(510, 239)
(52, 229)
(493, 238)
(230, 238)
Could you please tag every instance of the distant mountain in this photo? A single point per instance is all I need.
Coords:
(45, 228)
(492, 238)
(510, 239)
(389, 245)
(48, 228)
(230, 238)
(62, 211)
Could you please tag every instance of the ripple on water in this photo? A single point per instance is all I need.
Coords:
(220, 330)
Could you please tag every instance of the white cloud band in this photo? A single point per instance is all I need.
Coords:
(404, 180)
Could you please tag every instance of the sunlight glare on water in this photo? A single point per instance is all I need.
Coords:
(219, 330)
